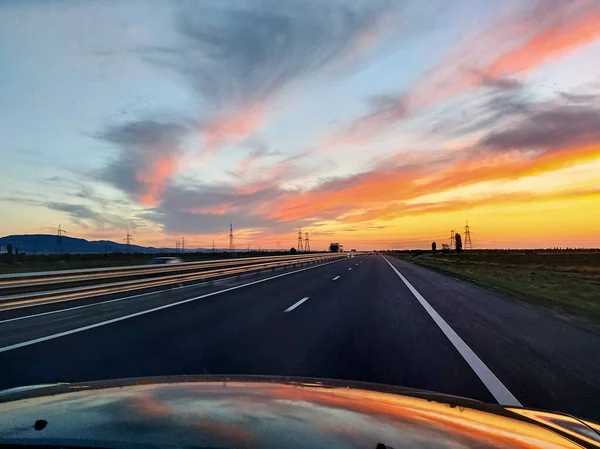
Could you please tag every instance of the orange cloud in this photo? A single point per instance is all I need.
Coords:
(550, 32)
(154, 177)
(234, 127)
(552, 42)
(402, 184)
(391, 213)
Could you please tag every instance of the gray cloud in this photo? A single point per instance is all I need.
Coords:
(502, 83)
(140, 145)
(488, 110)
(551, 127)
(241, 53)
(84, 215)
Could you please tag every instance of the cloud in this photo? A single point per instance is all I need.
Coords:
(258, 150)
(496, 57)
(541, 137)
(208, 209)
(148, 156)
(569, 25)
(240, 56)
(83, 215)
(549, 129)
(405, 209)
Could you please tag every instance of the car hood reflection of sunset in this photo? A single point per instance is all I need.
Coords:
(251, 414)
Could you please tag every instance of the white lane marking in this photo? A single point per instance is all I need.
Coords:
(335, 278)
(349, 268)
(489, 379)
(117, 299)
(357, 265)
(292, 307)
(155, 309)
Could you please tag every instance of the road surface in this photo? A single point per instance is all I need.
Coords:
(368, 318)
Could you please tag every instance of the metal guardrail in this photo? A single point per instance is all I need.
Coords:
(49, 293)
(19, 284)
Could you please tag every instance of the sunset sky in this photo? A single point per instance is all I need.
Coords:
(375, 123)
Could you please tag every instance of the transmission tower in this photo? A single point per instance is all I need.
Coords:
(231, 237)
(452, 239)
(306, 243)
(183, 244)
(59, 239)
(128, 238)
(468, 244)
(300, 245)
(213, 246)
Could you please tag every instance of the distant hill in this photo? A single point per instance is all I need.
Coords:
(46, 244)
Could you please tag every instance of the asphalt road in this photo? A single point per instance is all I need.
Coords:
(361, 321)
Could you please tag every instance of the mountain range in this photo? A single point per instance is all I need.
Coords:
(47, 244)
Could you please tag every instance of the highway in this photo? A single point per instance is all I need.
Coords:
(368, 318)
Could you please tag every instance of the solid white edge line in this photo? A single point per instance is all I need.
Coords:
(335, 278)
(155, 309)
(292, 307)
(489, 379)
(349, 268)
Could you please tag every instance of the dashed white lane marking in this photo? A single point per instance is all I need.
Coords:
(166, 306)
(349, 268)
(357, 265)
(489, 379)
(290, 308)
(335, 278)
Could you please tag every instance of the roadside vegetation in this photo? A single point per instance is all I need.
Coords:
(22, 263)
(564, 280)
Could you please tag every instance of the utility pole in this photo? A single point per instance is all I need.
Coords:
(452, 239)
(300, 245)
(230, 237)
(468, 244)
(306, 243)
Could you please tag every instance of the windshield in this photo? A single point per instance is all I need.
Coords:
(393, 192)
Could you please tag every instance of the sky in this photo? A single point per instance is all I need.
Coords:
(377, 123)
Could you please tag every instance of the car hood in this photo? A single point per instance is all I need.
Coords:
(248, 411)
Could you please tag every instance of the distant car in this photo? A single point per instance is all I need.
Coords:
(164, 260)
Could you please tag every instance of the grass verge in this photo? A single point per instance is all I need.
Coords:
(567, 281)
